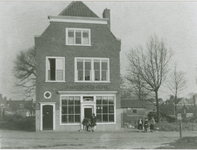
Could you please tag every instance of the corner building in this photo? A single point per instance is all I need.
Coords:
(78, 71)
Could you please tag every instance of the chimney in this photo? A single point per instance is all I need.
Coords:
(106, 14)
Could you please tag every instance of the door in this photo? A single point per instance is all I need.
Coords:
(87, 112)
(47, 117)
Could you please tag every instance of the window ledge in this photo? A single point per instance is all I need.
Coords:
(76, 45)
(92, 81)
(70, 124)
(105, 123)
(55, 81)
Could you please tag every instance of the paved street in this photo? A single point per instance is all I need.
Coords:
(125, 139)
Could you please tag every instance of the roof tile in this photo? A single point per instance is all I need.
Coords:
(78, 9)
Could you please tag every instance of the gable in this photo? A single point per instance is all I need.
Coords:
(78, 9)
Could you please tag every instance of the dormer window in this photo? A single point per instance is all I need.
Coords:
(76, 36)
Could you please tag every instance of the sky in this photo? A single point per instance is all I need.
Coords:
(132, 22)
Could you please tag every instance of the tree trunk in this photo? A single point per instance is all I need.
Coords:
(157, 104)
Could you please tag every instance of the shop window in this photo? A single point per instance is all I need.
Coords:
(70, 109)
(105, 108)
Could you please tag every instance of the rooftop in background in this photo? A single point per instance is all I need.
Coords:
(78, 9)
(131, 103)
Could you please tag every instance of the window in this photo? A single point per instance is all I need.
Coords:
(55, 69)
(105, 108)
(88, 98)
(70, 109)
(92, 69)
(134, 111)
(77, 36)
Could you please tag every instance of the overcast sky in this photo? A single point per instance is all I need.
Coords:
(132, 22)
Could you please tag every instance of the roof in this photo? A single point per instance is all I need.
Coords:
(190, 101)
(149, 105)
(78, 9)
(131, 103)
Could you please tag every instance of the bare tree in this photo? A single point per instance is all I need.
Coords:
(125, 90)
(138, 86)
(151, 65)
(176, 83)
(25, 71)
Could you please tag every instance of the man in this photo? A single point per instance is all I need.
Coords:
(93, 122)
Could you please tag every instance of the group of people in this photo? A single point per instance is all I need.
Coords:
(144, 124)
(89, 124)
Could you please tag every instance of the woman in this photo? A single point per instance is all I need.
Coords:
(152, 122)
(145, 125)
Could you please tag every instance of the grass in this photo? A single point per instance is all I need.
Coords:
(183, 143)
(186, 126)
(18, 123)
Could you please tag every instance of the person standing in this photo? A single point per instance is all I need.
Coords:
(145, 124)
(93, 122)
(152, 122)
(140, 123)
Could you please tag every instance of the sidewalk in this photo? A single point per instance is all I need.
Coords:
(125, 139)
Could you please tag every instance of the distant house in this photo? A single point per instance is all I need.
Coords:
(132, 106)
(153, 100)
(186, 111)
(21, 107)
(3, 105)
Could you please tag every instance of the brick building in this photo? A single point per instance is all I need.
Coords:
(78, 71)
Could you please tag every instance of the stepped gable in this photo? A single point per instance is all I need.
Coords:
(78, 9)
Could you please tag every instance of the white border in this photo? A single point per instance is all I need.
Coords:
(92, 69)
(49, 96)
(41, 113)
(93, 104)
(46, 71)
(78, 19)
(80, 29)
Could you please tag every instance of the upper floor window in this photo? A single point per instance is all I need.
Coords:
(55, 69)
(92, 69)
(77, 36)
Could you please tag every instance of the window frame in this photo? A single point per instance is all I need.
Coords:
(102, 105)
(79, 29)
(60, 108)
(46, 69)
(92, 71)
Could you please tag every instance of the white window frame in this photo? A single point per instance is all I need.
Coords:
(78, 29)
(92, 78)
(83, 105)
(46, 69)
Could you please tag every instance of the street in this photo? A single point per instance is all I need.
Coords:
(125, 139)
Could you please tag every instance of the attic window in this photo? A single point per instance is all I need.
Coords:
(76, 36)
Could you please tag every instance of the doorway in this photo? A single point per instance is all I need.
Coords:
(87, 112)
(47, 117)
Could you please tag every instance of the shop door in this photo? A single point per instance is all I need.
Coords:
(87, 112)
(47, 117)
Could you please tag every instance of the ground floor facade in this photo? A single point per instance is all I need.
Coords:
(68, 111)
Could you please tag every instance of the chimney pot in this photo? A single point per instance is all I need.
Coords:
(106, 14)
